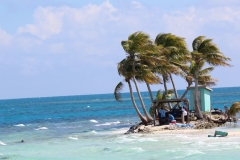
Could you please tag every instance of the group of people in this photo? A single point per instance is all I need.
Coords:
(166, 116)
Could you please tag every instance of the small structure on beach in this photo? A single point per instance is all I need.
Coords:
(204, 98)
(181, 117)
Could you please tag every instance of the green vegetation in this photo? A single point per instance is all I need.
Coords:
(147, 60)
(234, 109)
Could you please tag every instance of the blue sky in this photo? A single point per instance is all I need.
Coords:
(72, 47)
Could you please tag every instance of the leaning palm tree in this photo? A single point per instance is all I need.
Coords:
(174, 49)
(188, 73)
(139, 44)
(145, 67)
(204, 50)
(142, 74)
(125, 70)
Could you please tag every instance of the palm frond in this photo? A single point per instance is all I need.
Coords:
(197, 41)
(117, 93)
(234, 109)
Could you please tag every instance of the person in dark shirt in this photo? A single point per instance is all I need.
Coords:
(162, 116)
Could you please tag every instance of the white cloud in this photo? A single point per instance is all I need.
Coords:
(50, 21)
(137, 4)
(47, 23)
(183, 23)
(5, 38)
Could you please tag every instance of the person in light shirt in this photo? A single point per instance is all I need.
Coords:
(185, 114)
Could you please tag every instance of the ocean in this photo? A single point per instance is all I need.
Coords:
(92, 127)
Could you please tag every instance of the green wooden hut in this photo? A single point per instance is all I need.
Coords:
(204, 98)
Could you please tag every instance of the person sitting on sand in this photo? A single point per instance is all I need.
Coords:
(162, 116)
(185, 115)
(170, 118)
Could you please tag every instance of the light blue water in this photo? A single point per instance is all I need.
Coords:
(92, 127)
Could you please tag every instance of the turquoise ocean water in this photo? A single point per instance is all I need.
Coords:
(91, 127)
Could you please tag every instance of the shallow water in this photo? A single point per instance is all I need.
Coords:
(113, 144)
(91, 127)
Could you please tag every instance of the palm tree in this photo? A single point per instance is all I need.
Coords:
(145, 70)
(139, 44)
(125, 70)
(174, 49)
(204, 50)
(188, 73)
(143, 73)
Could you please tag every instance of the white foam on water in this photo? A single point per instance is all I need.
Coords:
(192, 152)
(93, 120)
(2, 143)
(104, 124)
(147, 140)
(116, 122)
(136, 138)
(41, 128)
(20, 125)
(108, 123)
(125, 139)
(188, 153)
(88, 106)
(138, 149)
(118, 131)
(73, 138)
(94, 132)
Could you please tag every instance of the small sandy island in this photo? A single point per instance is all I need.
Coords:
(195, 128)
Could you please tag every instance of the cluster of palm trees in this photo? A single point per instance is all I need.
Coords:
(154, 62)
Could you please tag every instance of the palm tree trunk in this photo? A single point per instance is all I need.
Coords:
(174, 89)
(166, 91)
(165, 85)
(184, 94)
(173, 84)
(150, 92)
(149, 118)
(196, 100)
(143, 119)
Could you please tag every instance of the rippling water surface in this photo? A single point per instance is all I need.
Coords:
(92, 127)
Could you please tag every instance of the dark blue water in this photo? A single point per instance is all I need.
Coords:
(86, 107)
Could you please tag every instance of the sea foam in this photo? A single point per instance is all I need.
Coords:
(73, 138)
(107, 123)
(2, 143)
(94, 132)
(41, 128)
(20, 125)
(93, 120)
